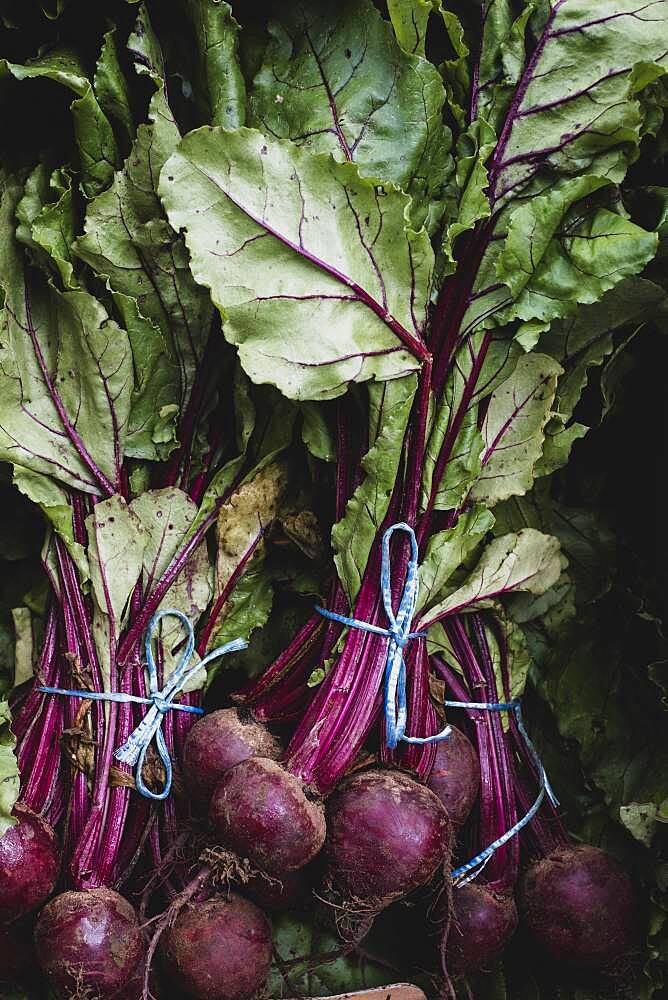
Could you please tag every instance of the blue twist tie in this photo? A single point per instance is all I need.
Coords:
(471, 869)
(133, 751)
(398, 634)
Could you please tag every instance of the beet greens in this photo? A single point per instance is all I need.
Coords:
(276, 278)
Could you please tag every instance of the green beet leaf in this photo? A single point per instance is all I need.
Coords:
(98, 150)
(116, 541)
(447, 550)
(340, 83)
(318, 281)
(513, 429)
(111, 86)
(128, 242)
(222, 88)
(66, 376)
(523, 560)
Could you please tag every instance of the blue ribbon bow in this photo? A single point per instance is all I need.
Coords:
(398, 634)
(471, 869)
(161, 701)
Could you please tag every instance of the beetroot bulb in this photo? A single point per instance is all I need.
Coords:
(387, 835)
(481, 924)
(455, 776)
(88, 943)
(262, 812)
(219, 949)
(218, 741)
(578, 905)
(29, 864)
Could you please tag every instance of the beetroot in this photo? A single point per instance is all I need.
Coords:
(455, 777)
(219, 949)
(29, 864)
(387, 835)
(481, 925)
(261, 811)
(578, 905)
(88, 943)
(219, 741)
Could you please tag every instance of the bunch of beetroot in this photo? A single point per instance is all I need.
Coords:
(347, 268)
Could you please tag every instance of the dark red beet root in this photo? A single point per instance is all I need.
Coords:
(481, 925)
(219, 949)
(88, 943)
(578, 905)
(260, 811)
(387, 835)
(29, 864)
(17, 954)
(219, 741)
(455, 777)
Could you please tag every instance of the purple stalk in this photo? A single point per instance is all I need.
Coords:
(505, 863)
(422, 718)
(546, 829)
(190, 418)
(31, 706)
(304, 648)
(497, 800)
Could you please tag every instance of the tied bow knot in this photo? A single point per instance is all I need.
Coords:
(133, 751)
(159, 700)
(398, 633)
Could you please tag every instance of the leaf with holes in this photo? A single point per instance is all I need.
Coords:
(340, 83)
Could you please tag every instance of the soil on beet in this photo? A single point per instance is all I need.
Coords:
(220, 949)
(88, 941)
(219, 741)
(387, 835)
(261, 812)
(29, 864)
(578, 905)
